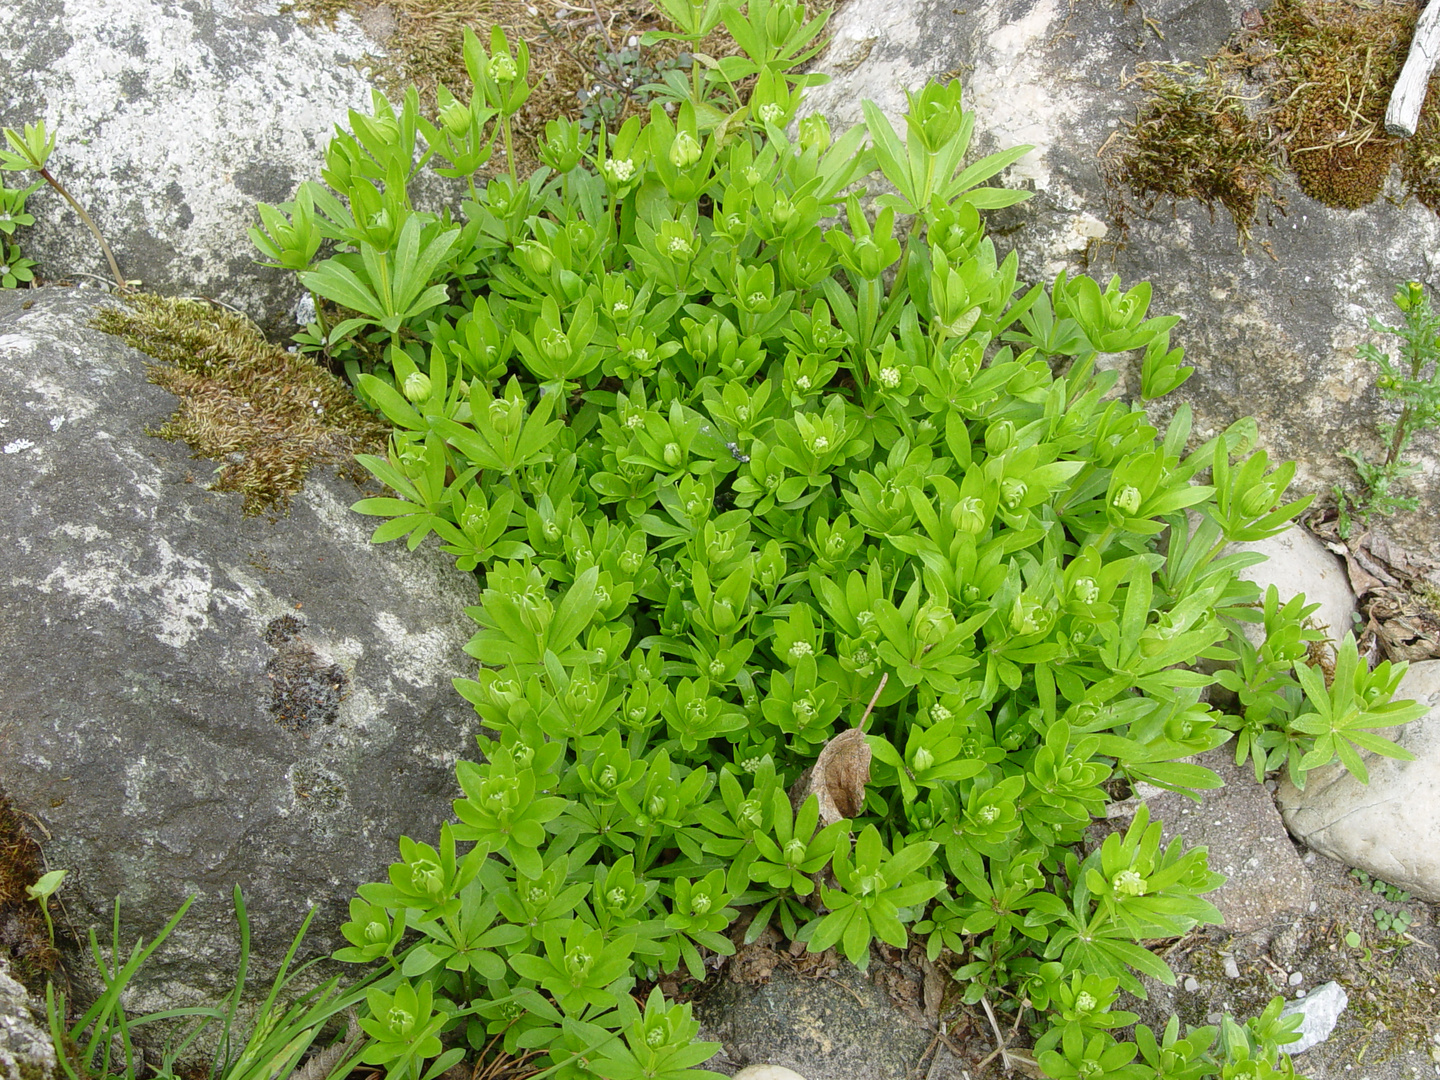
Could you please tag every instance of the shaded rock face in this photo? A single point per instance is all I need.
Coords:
(1271, 332)
(173, 120)
(195, 700)
(1388, 828)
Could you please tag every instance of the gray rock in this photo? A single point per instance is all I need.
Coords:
(811, 1025)
(1246, 839)
(1321, 1008)
(1389, 827)
(1272, 331)
(196, 700)
(26, 1050)
(173, 120)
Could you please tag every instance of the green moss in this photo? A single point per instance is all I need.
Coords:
(1339, 62)
(268, 414)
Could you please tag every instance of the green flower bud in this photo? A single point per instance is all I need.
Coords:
(1085, 591)
(618, 170)
(673, 455)
(1012, 492)
(1258, 500)
(999, 437)
(922, 760)
(502, 68)
(1129, 883)
(417, 387)
(399, 1021)
(685, 150)
(1127, 500)
(456, 118)
(968, 515)
(815, 133)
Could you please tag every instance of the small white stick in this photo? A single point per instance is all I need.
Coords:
(1409, 93)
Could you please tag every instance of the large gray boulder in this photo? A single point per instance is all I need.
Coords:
(1272, 331)
(173, 121)
(195, 699)
(1389, 828)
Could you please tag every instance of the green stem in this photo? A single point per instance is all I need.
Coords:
(109, 256)
(509, 146)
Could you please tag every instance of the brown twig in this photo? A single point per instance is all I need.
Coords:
(884, 678)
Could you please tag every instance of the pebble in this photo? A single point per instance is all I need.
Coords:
(1232, 969)
(767, 1072)
(1296, 978)
(1192, 984)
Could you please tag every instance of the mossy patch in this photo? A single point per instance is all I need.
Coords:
(1339, 62)
(584, 59)
(1194, 139)
(24, 940)
(268, 414)
(1303, 87)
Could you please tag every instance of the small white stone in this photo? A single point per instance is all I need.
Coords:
(767, 1072)
(1296, 978)
(1321, 1011)
(1232, 969)
(1192, 984)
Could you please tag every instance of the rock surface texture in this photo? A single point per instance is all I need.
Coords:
(173, 120)
(1247, 843)
(1388, 828)
(26, 1050)
(1271, 332)
(195, 700)
(822, 1030)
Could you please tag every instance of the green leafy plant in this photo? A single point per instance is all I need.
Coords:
(758, 482)
(1413, 379)
(30, 151)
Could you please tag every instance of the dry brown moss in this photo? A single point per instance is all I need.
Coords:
(24, 939)
(267, 413)
(1194, 139)
(1316, 76)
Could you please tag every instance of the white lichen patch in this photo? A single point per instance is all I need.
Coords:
(174, 600)
(1013, 91)
(16, 446)
(417, 657)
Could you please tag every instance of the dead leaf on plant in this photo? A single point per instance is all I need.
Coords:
(837, 778)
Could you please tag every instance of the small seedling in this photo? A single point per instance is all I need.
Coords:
(1413, 379)
(1388, 923)
(31, 151)
(41, 892)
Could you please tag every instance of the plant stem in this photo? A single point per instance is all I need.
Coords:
(509, 146)
(109, 256)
